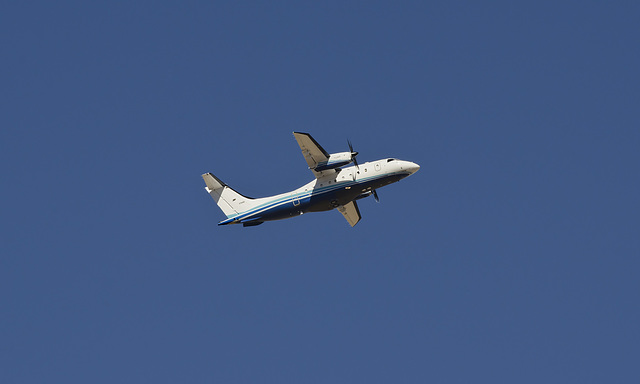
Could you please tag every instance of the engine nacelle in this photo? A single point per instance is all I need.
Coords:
(336, 160)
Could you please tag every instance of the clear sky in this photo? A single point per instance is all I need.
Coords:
(512, 256)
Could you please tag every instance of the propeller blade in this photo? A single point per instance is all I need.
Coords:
(353, 154)
(375, 196)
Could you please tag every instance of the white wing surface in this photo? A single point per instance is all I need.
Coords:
(313, 153)
(350, 212)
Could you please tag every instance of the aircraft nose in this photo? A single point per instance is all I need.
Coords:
(413, 167)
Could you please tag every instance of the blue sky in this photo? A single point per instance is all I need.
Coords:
(512, 256)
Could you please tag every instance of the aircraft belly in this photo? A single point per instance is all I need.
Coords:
(324, 201)
(281, 211)
(330, 200)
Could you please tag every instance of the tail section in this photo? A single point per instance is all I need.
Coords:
(230, 202)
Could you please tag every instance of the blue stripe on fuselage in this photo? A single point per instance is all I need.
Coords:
(283, 207)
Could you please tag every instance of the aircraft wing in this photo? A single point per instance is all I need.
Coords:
(313, 152)
(350, 212)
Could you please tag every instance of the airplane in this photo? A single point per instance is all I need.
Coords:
(334, 187)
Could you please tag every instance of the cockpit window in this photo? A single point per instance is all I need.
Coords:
(390, 160)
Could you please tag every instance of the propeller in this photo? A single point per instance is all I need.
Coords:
(353, 158)
(353, 154)
(355, 162)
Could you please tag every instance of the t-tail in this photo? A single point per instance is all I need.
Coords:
(230, 202)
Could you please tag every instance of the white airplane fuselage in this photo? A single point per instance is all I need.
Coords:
(335, 189)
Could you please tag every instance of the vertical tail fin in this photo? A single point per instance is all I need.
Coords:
(229, 201)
